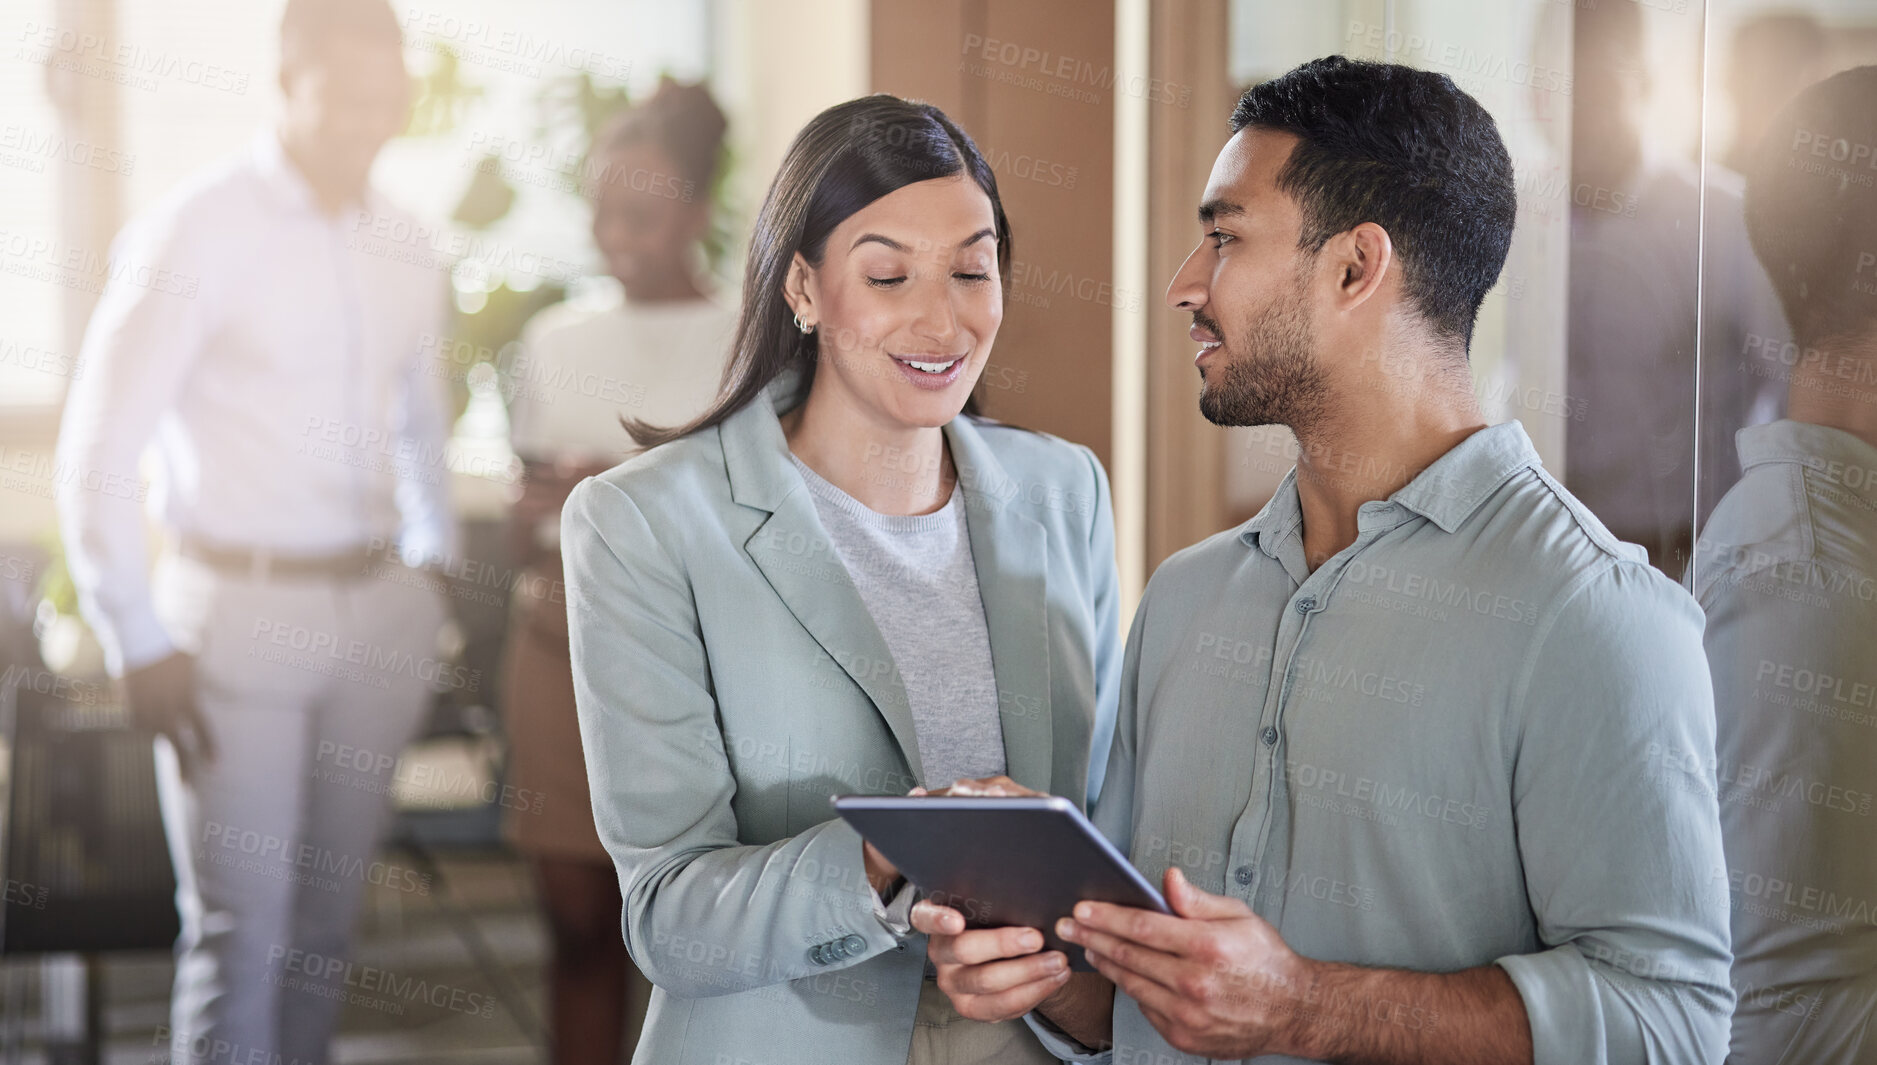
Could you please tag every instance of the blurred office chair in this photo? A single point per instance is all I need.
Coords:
(83, 862)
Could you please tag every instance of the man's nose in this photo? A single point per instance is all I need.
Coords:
(1188, 289)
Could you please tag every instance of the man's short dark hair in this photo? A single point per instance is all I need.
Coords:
(1406, 150)
(309, 27)
(1812, 207)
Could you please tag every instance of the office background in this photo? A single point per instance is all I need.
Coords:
(1101, 119)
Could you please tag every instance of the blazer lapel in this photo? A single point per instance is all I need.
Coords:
(1010, 551)
(801, 564)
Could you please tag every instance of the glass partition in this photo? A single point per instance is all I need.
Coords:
(1786, 567)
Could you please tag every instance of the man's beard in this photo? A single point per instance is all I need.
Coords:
(1272, 379)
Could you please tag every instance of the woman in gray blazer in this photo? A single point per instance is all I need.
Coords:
(839, 579)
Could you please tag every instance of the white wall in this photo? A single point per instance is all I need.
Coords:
(781, 64)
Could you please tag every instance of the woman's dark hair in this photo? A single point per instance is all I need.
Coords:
(845, 158)
(683, 120)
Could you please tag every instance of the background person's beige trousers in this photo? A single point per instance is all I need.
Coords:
(312, 687)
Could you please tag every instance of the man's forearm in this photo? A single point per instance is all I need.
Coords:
(1358, 1016)
(1083, 1010)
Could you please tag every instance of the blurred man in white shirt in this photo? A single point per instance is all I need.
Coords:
(293, 425)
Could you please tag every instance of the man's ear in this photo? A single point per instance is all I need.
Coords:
(1361, 260)
(798, 289)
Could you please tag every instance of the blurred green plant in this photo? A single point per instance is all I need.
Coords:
(55, 580)
(441, 96)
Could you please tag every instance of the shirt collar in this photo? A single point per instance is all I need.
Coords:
(1445, 493)
(1838, 456)
(1280, 519)
(1448, 492)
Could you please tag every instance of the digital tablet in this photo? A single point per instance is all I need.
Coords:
(1001, 861)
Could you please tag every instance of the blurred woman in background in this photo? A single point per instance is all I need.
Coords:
(655, 349)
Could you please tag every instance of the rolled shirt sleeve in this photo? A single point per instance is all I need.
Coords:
(1618, 828)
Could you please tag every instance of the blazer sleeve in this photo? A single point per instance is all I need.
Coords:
(1113, 816)
(704, 914)
(1106, 582)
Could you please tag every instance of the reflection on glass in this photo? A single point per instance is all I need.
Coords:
(1638, 231)
(1787, 572)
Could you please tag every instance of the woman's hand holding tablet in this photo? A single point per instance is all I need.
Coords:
(1001, 973)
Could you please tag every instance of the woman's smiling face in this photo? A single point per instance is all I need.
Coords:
(906, 302)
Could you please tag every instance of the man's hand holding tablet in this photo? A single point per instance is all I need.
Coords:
(1215, 979)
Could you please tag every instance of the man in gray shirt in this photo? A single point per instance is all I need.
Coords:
(1403, 743)
(1787, 572)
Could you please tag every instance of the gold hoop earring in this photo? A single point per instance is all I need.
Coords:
(805, 327)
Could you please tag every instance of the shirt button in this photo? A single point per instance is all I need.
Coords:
(1306, 604)
(1269, 736)
(1243, 874)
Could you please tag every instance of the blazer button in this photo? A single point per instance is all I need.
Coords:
(819, 954)
(852, 945)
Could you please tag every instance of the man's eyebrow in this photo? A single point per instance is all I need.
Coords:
(877, 238)
(1212, 209)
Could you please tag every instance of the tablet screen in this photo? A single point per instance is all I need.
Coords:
(1001, 861)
